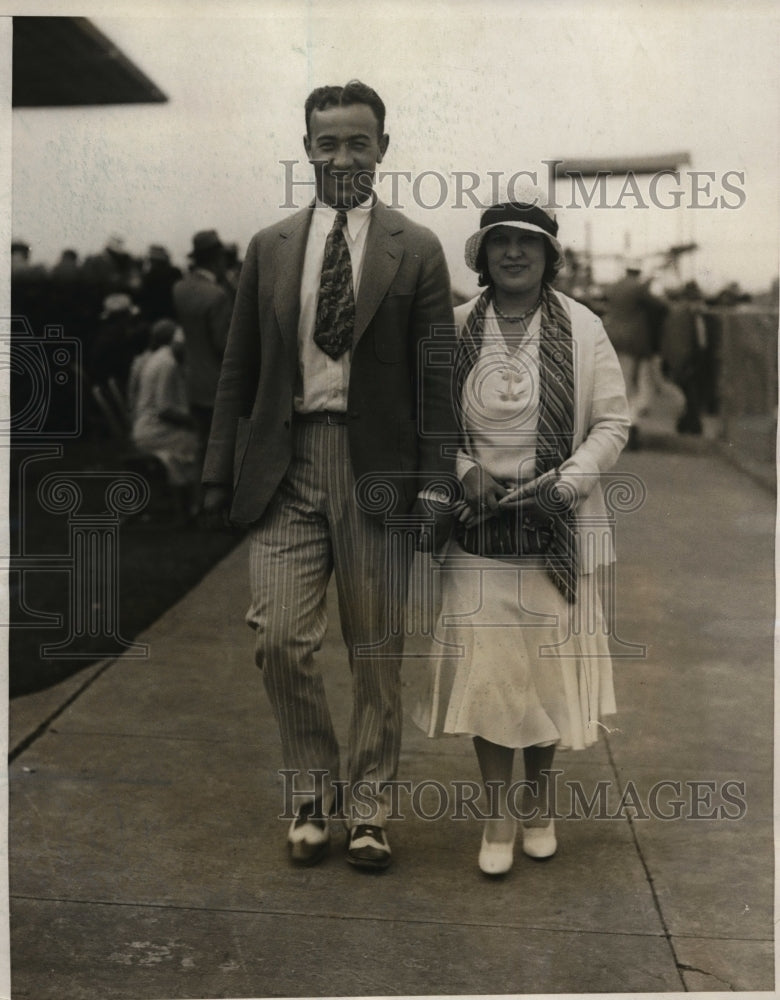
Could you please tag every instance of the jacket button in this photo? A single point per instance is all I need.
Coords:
(354, 414)
(287, 424)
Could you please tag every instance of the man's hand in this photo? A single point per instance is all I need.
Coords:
(216, 500)
(422, 511)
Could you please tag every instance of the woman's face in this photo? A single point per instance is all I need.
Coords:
(515, 259)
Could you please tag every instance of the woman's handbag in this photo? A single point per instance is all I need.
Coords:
(508, 533)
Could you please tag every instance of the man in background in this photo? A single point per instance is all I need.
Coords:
(203, 307)
(633, 319)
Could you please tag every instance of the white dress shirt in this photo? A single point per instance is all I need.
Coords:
(322, 381)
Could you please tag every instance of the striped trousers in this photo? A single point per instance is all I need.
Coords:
(312, 528)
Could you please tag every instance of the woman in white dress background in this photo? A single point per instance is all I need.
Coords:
(523, 660)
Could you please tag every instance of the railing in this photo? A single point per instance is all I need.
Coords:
(745, 341)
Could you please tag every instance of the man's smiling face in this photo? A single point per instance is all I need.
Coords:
(344, 146)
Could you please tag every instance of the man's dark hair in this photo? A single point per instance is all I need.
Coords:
(354, 92)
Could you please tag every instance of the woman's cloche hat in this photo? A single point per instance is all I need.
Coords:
(528, 209)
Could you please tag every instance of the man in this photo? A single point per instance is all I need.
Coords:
(119, 337)
(29, 288)
(324, 409)
(155, 296)
(685, 352)
(113, 270)
(203, 308)
(633, 321)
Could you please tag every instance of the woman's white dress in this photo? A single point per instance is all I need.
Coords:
(159, 387)
(511, 660)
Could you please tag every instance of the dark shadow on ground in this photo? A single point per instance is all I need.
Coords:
(151, 559)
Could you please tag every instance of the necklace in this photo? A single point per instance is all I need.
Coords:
(516, 319)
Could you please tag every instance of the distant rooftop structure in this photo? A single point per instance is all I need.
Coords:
(622, 165)
(67, 61)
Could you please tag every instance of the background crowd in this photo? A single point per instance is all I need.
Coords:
(150, 339)
(124, 309)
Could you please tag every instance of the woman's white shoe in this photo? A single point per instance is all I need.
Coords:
(539, 841)
(496, 857)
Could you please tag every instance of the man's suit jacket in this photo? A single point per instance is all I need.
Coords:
(203, 309)
(399, 409)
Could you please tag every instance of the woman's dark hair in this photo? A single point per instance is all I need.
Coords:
(550, 269)
(354, 92)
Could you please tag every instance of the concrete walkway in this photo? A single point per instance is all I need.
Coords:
(147, 859)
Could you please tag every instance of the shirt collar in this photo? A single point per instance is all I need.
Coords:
(357, 217)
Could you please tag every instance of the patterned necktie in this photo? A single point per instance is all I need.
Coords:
(336, 302)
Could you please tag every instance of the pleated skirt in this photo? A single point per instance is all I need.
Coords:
(511, 661)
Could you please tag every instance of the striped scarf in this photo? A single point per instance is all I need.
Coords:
(555, 424)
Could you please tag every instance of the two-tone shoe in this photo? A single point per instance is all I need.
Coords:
(367, 847)
(308, 837)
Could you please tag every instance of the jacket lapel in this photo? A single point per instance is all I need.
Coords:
(287, 285)
(382, 259)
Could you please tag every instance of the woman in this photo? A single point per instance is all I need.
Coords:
(543, 413)
(162, 424)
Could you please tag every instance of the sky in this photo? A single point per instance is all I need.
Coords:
(489, 89)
